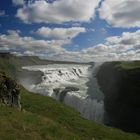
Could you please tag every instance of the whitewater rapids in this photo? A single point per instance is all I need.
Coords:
(87, 99)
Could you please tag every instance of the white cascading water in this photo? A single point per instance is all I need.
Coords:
(88, 100)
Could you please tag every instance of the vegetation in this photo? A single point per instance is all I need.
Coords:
(44, 118)
(129, 64)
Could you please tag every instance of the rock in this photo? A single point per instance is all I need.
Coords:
(76, 72)
(61, 93)
(56, 91)
(9, 91)
(72, 88)
(121, 88)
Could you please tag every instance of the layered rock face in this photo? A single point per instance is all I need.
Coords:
(9, 91)
(121, 88)
(61, 93)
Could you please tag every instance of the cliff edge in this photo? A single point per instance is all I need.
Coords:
(120, 83)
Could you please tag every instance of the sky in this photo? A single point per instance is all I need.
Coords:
(71, 30)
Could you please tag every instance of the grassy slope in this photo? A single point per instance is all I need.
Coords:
(45, 118)
(129, 65)
(12, 64)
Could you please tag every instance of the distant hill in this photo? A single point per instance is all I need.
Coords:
(12, 64)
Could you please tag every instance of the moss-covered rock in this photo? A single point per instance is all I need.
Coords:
(9, 91)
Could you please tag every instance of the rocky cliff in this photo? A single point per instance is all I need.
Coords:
(120, 83)
(61, 93)
(9, 91)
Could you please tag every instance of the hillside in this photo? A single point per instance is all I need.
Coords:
(45, 118)
(120, 83)
(129, 65)
(12, 64)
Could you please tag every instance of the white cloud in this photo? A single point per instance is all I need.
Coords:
(60, 33)
(124, 47)
(2, 13)
(18, 2)
(14, 41)
(121, 13)
(126, 41)
(104, 31)
(58, 12)
(29, 53)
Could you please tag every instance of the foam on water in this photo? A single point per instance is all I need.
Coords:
(61, 76)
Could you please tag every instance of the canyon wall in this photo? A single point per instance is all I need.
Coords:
(121, 87)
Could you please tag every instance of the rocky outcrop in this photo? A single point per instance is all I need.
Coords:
(61, 93)
(9, 91)
(121, 88)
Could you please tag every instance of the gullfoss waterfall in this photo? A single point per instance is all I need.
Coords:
(75, 85)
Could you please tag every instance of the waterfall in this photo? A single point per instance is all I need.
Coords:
(75, 85)
(92, 106)
(89, 108)
(95, 95)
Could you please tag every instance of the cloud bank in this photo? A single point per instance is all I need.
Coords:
(2, 13)
(121, 13)
(117, 13)
(60, 33)
(59, 11)
(18, 2)
(124, 47)
(13, 41)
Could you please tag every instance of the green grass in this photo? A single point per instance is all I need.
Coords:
(129, 64)
(15, 125)
(45, 118)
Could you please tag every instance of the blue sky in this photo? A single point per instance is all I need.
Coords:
(92, 30)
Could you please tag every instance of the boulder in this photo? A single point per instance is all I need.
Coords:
(61, 93)
(9, 91)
